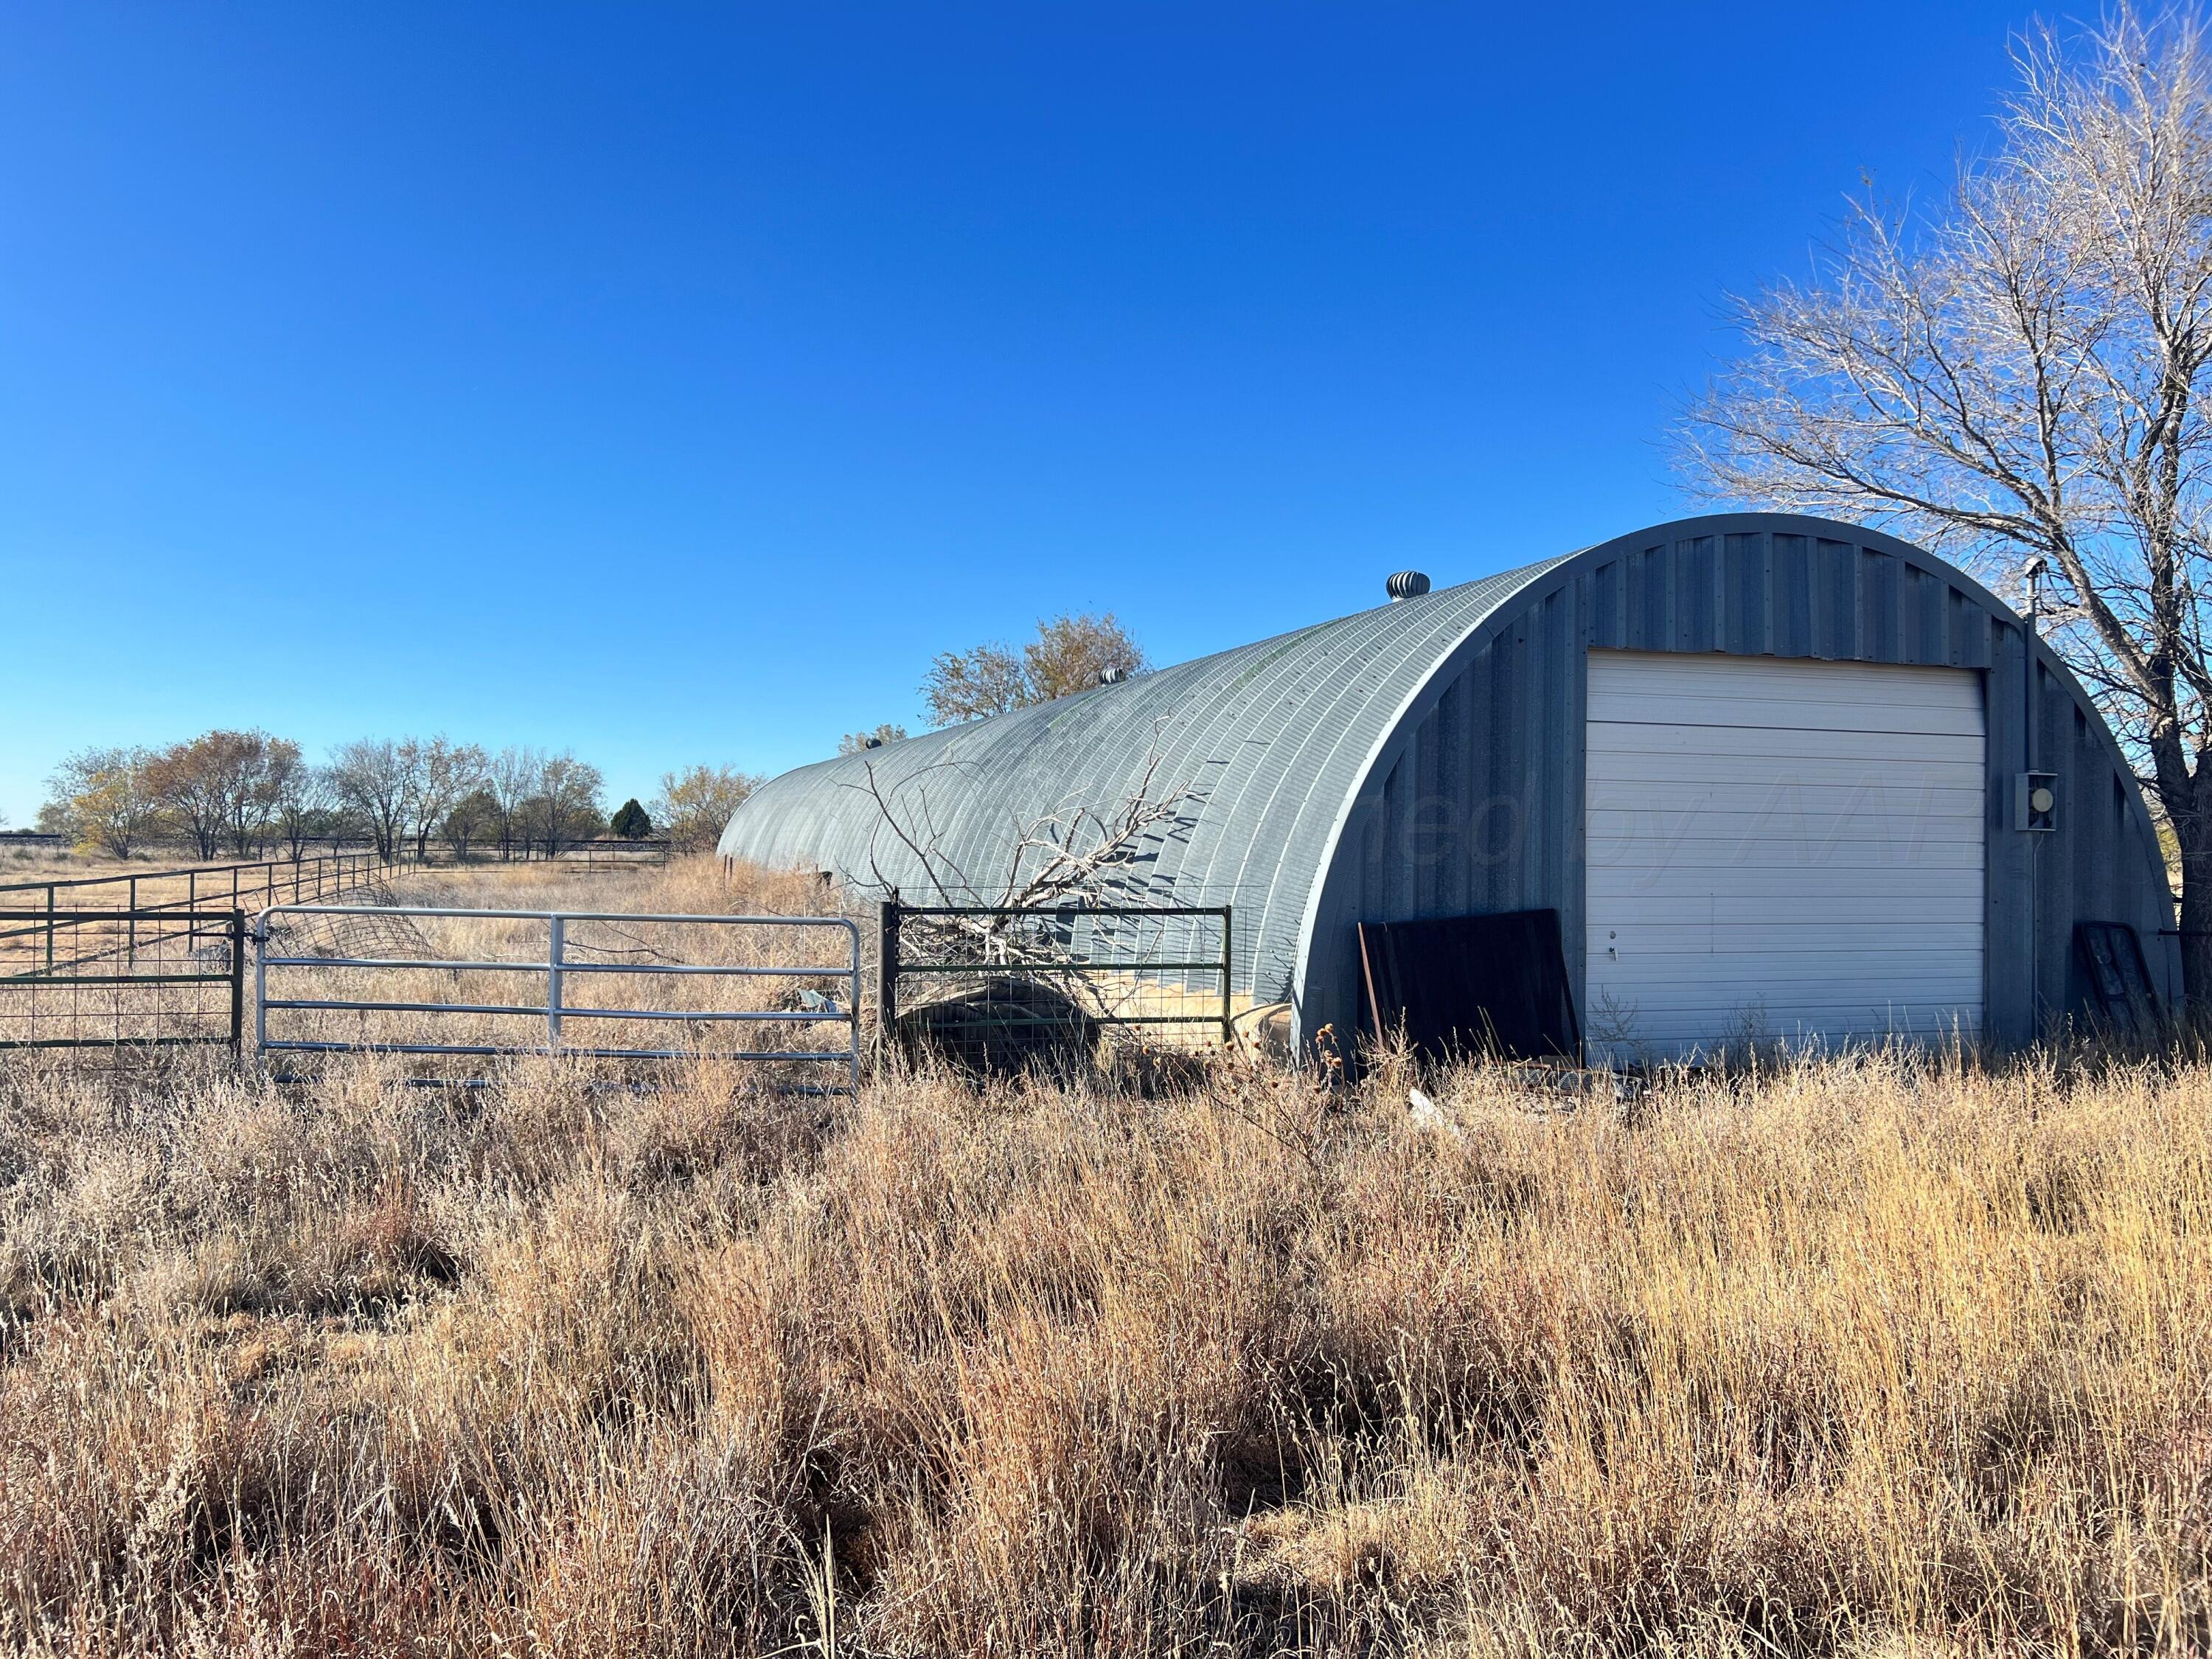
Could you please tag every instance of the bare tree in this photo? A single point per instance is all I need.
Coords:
(214, 785)
(974, 685)
(1081, 853)
(511, 779)
(474, 817)
(2022, 373)
(566, 806)
(372, 776)
(853, 743)
(1073, 653)
(694, 805)
(297, 793)
(104, 798)
(191, 792)
(1070, 653)
(251, 755)
(439, 773)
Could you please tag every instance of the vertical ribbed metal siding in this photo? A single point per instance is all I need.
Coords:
(1426, 758)
(1496, 739)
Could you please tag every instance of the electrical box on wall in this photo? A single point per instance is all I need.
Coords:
(2035, 801)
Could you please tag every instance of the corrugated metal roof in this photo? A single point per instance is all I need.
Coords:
(1269, 740)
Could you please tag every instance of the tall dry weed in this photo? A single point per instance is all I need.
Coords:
(1873, 1355)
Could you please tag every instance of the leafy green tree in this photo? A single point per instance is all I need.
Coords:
(630, 821)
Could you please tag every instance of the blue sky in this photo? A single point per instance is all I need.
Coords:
(673, 382)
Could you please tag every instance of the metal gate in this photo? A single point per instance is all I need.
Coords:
(340, 964)
(1160, 974)
(121, 979)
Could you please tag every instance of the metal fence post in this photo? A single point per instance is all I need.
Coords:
(50, 927)
(852, 1008)
(237, 979)
(132, 949)
(1228, 1014)
(553, 982)
(261, 982)
(887, 971)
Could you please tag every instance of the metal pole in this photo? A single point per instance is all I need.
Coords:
(553, 982)
(50, 927)
(237, 979)
(132, 926)
(887, 968)
(2027, 748)
(261, 982)
(852, 1007)
(1228, 1015)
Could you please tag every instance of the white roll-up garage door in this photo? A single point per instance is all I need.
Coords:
(1781, 849)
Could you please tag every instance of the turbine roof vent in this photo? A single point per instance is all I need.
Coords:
(1407, 585)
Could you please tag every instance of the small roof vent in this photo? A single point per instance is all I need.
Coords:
(1407, 585)
(872, 743)
(1112, 676)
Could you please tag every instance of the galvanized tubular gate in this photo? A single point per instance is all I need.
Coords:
(130, 961)
(557, 1010)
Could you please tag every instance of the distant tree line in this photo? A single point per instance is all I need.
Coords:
(252, 795)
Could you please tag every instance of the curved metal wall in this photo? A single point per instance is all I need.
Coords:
(1426, 758)
(1269, 739)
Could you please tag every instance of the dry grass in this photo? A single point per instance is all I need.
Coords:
(1872, 1357)
(23, 862)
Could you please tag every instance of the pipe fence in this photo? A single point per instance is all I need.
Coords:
(395, 979)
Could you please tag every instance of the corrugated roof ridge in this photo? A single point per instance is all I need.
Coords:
(1258, 727)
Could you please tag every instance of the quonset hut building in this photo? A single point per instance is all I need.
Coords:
(1770, 774)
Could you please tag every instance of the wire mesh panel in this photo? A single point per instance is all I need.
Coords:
(116, 979)
(998, 989)
(451, 988)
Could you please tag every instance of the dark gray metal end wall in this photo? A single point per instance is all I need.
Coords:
(1473, 800)
(1426, 758)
